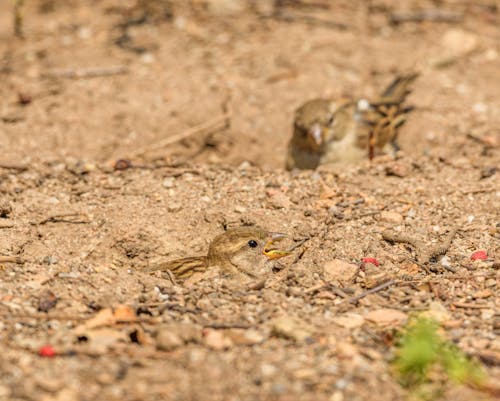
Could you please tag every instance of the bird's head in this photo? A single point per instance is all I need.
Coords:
(248, 249)
(312, 124)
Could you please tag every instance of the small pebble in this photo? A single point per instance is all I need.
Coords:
(168, 182)
(240, 209)
(391, 217)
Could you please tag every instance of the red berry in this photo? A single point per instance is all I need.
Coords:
(479, 255)
(373, 261)
(47, 351)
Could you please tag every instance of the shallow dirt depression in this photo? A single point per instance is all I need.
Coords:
(133, 132)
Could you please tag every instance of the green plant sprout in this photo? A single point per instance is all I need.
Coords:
(422, 355)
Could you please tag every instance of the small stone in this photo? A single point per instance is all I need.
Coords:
(167, 340)
(225, 7)
(349, 320)
(267, 370)
(84, 32)
(50, 384)
(391, 217)
(80, 167)
(291, 328)
(304, 374)
(480, 108)
(278, 389)
(244, 165)
(245, 337)
(487, 314)
(277, 199)
(185, 332)
(488, 172)
(482, 294)
(387, 317)
(240, 209)
(216, 340)
(458, 42)
(339, 270)
(346, 350)
(168, 182)
(491, 282)
(148, 58)
(50, 260)
(437, 312)
(47, 301)
(396, 170)
(174, 207)
(445, 261)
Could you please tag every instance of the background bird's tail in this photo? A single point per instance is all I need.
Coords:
(182, 268)
(399, 88)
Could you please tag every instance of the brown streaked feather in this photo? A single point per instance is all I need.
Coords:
(182, 268)
(398, 89)
(386, 115)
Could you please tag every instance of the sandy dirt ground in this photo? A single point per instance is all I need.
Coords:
(196, 100)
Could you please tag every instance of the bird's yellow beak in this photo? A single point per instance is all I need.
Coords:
(271, 252)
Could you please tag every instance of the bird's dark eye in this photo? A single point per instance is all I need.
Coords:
(252, 243)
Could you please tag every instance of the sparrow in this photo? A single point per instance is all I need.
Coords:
(330, 131)
(241, 252)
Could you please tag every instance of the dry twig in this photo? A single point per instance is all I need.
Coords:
(86, 72)
(12, 259)
(373, 290)
(310, 20)
(424, 253)
(431, 15)
(470, 306)
(13, 166)
(71, 218)
(206, 127)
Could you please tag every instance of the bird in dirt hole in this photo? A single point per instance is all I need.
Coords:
(330, 131)
(243, 253)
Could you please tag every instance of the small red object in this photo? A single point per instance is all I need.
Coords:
(47, 351)
(479, 255)
(373, 261)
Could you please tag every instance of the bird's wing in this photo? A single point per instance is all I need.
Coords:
(398, 89)
(379, 121)
(182, 268)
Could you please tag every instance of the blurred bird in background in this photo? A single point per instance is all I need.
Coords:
(341, 131)
(242, 253)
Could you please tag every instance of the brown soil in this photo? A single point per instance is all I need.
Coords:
(225, 77)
